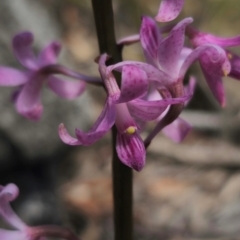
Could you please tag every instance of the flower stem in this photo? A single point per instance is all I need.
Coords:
(122, 175)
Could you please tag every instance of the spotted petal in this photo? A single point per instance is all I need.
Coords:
(171, 47)
(131, 150)
(153, 74)
(134, 83)
(169, 10)
(150, 110)
(150, 39)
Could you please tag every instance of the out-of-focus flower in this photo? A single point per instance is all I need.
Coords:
(169, 10)
(8, 194)
(121, 108)
(38, 70)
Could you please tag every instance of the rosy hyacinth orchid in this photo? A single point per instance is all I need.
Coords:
(197, 39)
(121, 107)
(8, 194)
(38, 70)
(169, 10)
(167, 63)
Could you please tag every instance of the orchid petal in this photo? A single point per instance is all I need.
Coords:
(131, 150)
(177, 130)
(13, 235)
(145, 110)
(218, 56)
(184, 54)
(8, 194)
(150, 110)
(171, 47)
(49, 54)
(12, 77)
(28, 102)
(214, 63)
(66, 89)
(129, 40)
(99, 129)
(134, 83)
(222, 42)
(190, 88)
(213, 74)
(150, 38)
(22, 47)
(66, 137)
(108, 78)
(153, 74)
(169, 10)
(235, 65)
(198, 38)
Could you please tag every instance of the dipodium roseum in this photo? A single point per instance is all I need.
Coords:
(21, 231)
(38, 70)
(122, 107)
(168, 60)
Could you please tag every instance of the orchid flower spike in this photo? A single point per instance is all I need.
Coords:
(38, 70)
(9, 193)
(122, 107)
(169, 10)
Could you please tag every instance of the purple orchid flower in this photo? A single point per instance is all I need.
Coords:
(121, 108)
(169, 10)
(9, 193)
(197, 39)
(168, 60)
(38, 70)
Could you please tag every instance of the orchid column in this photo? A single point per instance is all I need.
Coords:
(122, 175)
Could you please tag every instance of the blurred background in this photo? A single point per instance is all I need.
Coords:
(186, 191)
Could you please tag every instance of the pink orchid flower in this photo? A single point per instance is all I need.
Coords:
(167, 63)
(214, 79)
(38, 70)
(122, 107)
